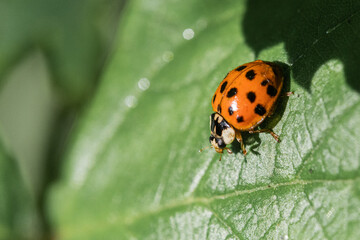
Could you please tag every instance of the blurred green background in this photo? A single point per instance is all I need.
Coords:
(104, 105)
(51, 56)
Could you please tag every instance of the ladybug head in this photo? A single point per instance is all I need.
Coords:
(221, 132)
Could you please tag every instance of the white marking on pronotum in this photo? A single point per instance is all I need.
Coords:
(228, 135)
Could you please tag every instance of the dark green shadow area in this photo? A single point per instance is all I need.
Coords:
(313, 32)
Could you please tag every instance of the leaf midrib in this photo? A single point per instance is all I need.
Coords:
(126, 222)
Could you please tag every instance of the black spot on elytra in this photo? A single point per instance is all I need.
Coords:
(260, 110)
(231, 93)
(223, 86)
(240, 68)
(239, 119)
(251, 96)
(250, 75)
(231, 111)
(214, 98)
(263, 83)
(271, 91)
(219, 108)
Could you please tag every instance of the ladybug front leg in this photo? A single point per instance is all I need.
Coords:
(275, 136)
(240, 140)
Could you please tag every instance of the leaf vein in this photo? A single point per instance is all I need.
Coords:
(325, 133)
(206, 201)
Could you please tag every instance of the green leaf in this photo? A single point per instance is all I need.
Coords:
(18, 218)
(133, 170)
(74, 35)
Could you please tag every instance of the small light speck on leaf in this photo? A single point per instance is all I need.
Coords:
(143, 84)
(188, 34)
(168, 56)
(201, 24)
(330, 213)
(130, 101)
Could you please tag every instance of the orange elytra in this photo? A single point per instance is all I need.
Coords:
(245, 97)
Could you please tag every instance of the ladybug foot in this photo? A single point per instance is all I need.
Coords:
(228, 150)
(287, 94)
(276, 137)
(244, 152)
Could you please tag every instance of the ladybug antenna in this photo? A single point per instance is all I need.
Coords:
(205, 148)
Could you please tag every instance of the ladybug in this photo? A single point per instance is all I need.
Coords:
(245, 97)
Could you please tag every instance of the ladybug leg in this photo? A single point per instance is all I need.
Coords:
(240, 140)
(228, 150)
(275, 136)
